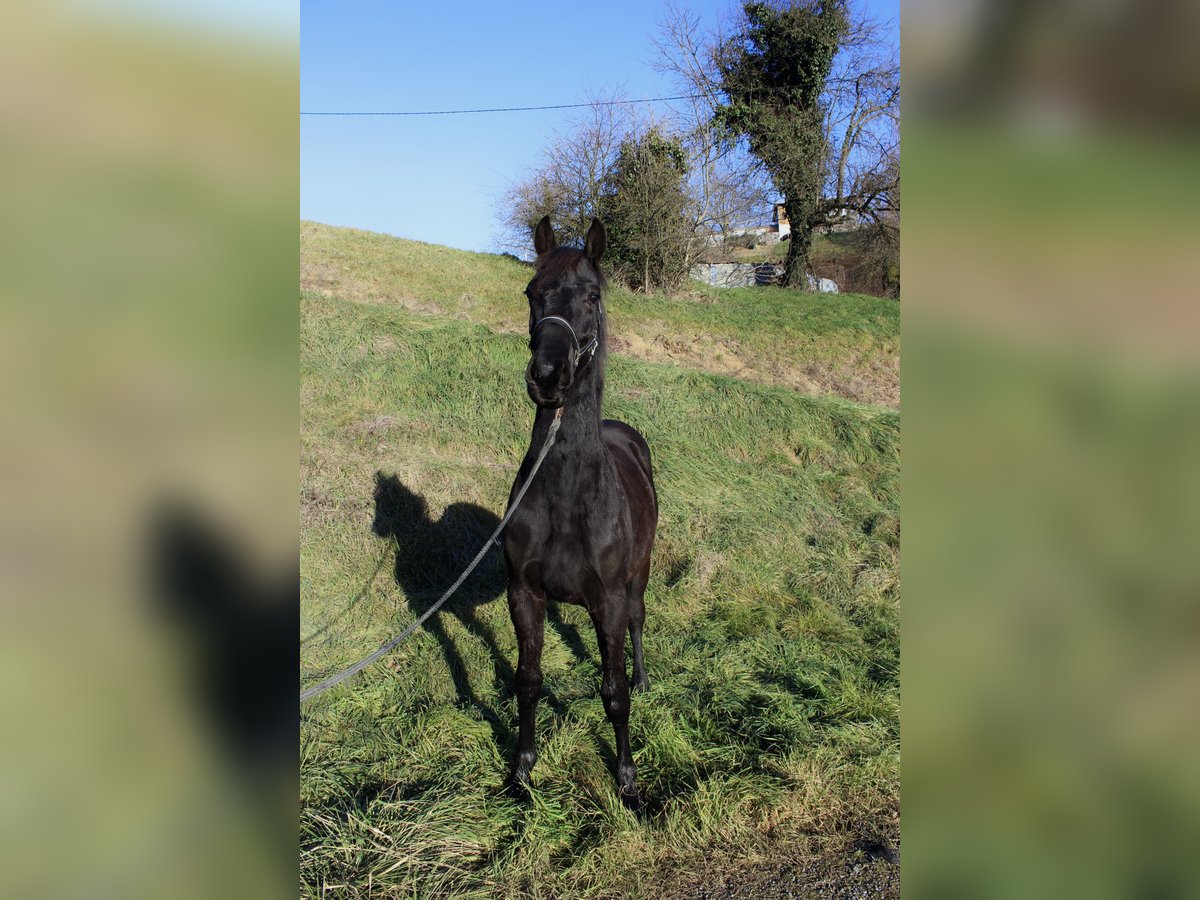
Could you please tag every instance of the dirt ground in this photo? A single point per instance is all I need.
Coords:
(857, 869)
(876, 380)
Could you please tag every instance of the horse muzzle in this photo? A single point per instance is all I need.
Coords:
(548, 382)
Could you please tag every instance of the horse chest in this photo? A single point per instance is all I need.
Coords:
(575, 568)
(573, 536)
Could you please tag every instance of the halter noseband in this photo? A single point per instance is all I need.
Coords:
(589, 349)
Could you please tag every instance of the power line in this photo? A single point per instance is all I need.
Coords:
(461, 112)
(751, 93)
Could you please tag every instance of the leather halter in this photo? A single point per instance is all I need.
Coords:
(589, 349)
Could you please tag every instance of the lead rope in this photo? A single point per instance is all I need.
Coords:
(398, 639)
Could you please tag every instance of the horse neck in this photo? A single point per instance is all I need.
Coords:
(578, 432)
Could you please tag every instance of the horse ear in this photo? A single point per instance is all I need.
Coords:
(597, 240)
(543, 237)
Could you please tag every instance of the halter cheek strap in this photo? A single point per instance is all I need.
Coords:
(589, 349)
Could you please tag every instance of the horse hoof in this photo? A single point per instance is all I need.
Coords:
(640, 686)
(517, 787)
(632, 800)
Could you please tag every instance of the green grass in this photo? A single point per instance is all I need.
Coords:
(837, 246)
(847, 346)
(764, 252)
(772, 612)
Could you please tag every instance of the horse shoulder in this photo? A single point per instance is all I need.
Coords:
(631, 457)
(627, 441)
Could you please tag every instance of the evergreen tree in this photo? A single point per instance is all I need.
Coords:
(651, 241)
(773, 72)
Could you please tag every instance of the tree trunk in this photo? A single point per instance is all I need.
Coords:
(795, 267)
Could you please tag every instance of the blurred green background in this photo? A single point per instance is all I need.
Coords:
(1052, 429)
(148, 337)
(148, 356)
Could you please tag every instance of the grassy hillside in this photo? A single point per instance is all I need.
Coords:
(846, 346)
(772, 613)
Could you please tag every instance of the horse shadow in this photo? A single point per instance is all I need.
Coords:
(232, 627)
(429, 556)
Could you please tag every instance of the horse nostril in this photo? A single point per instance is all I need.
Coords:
(545, 372)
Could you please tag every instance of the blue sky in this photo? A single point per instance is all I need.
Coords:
(438, 178)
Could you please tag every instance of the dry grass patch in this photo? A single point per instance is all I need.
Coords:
(820, 345)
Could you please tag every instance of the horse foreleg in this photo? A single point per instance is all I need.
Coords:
(528, 611)
(611, 621)
(637, 618)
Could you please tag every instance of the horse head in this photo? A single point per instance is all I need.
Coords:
(566, 314)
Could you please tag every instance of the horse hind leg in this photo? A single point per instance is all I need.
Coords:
(528, 612)
(637, 618)
(611, 621)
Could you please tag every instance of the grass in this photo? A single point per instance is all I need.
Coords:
(848, 346)
(831, 246)
(762, 252)
(772, 624)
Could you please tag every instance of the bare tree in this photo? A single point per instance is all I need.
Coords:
(862, 99)
(629, 170)
(568, 185)
(828, 156)
(729, 187)
(882, 237)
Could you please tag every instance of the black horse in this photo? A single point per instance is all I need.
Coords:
(584, 531)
